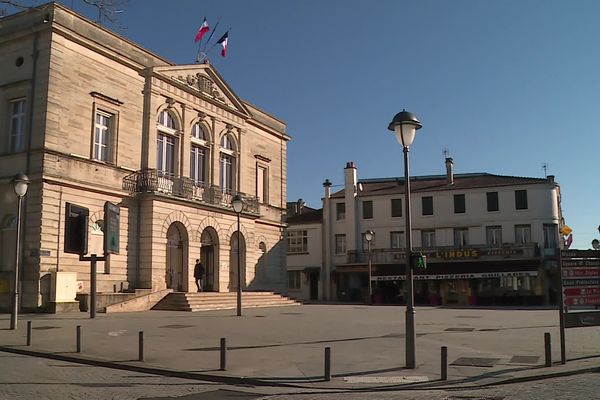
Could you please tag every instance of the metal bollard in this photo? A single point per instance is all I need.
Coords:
(444, 374)
(548, 349)
(223, 354)
(327, 375)
(28, 333)
(79, 338)
(141, 346)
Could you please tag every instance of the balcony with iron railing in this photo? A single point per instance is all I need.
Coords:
(151, 181)
(512, 251)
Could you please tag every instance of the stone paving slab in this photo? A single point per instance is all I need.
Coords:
(278, 346)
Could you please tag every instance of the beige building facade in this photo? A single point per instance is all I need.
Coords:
(92, 118)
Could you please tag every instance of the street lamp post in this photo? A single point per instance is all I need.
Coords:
(20, 183)
(369, 235)
(238, 205)
(405, 126)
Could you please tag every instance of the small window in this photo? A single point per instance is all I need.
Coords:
(427, 205)
(340, 244)
(396, 207)
(522, 234)
(428, 238)
(461, 237)
(297, 241)
(367, 208)
(492, 201)
(340, 211)
(550, 236)
(397, 240)
(459, 204)
(521, 199)
(294, 279)
(103, 136)
(17, 126)
(493, 235)
(262, 184)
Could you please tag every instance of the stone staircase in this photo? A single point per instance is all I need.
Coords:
(207, 301)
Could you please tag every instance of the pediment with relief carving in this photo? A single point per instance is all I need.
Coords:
(204, 80)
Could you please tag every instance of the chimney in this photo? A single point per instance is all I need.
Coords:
(550, 178)
(350, 178)
(327, 186)
(450, 171)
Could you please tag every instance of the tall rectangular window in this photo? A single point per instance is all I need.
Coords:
(397, 240)
(459, 204)
(297, 241)
(102, 136)
(17, 126)
(427, 205)
(165, 157)
(522, 233)
(428, 238)
(396, 207)
(493, 235)
(340, 244)
(461, 237)
(198, 165)
(367, 209)
(340, 211)
(521, 199)
(262, 180)
(226, 178)
(492, 201)
(550, 236)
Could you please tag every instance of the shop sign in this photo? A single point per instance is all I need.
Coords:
(582, 319)
(475, 275)
(581, 282)
(580, 253)
(581, 291)
(455, 254)
(582, 301)
(580, 272)
(580, 263)
(502, 252)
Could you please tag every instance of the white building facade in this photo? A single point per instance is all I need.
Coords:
(488, 239)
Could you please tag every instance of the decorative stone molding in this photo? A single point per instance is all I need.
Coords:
(203, 84)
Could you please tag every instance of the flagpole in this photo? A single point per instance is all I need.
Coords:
(212, 33)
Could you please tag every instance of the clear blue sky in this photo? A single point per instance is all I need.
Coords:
(505, 85)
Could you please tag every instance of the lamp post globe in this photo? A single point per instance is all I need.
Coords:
(20, 184)
(405, 125)
(238, 205)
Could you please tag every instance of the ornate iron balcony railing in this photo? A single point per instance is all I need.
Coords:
(151, 181)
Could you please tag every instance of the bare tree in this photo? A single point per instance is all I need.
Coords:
(108, 10)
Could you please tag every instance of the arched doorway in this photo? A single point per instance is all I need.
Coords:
(209, 257)
(177, 250)
(233, 261)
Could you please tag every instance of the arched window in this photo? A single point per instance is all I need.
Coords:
(199, 155)
(166, 145)
(227, 164)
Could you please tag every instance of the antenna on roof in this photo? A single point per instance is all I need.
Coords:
(446, 152)
(545, 168)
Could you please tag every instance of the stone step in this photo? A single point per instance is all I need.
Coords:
(205, 301)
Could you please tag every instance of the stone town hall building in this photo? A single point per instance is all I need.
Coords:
(91, 117)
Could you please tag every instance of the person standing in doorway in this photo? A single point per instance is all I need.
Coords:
(198, 274)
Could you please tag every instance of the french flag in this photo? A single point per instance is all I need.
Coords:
(203, 29)
(223, 42)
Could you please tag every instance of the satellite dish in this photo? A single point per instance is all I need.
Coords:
(596, 244)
